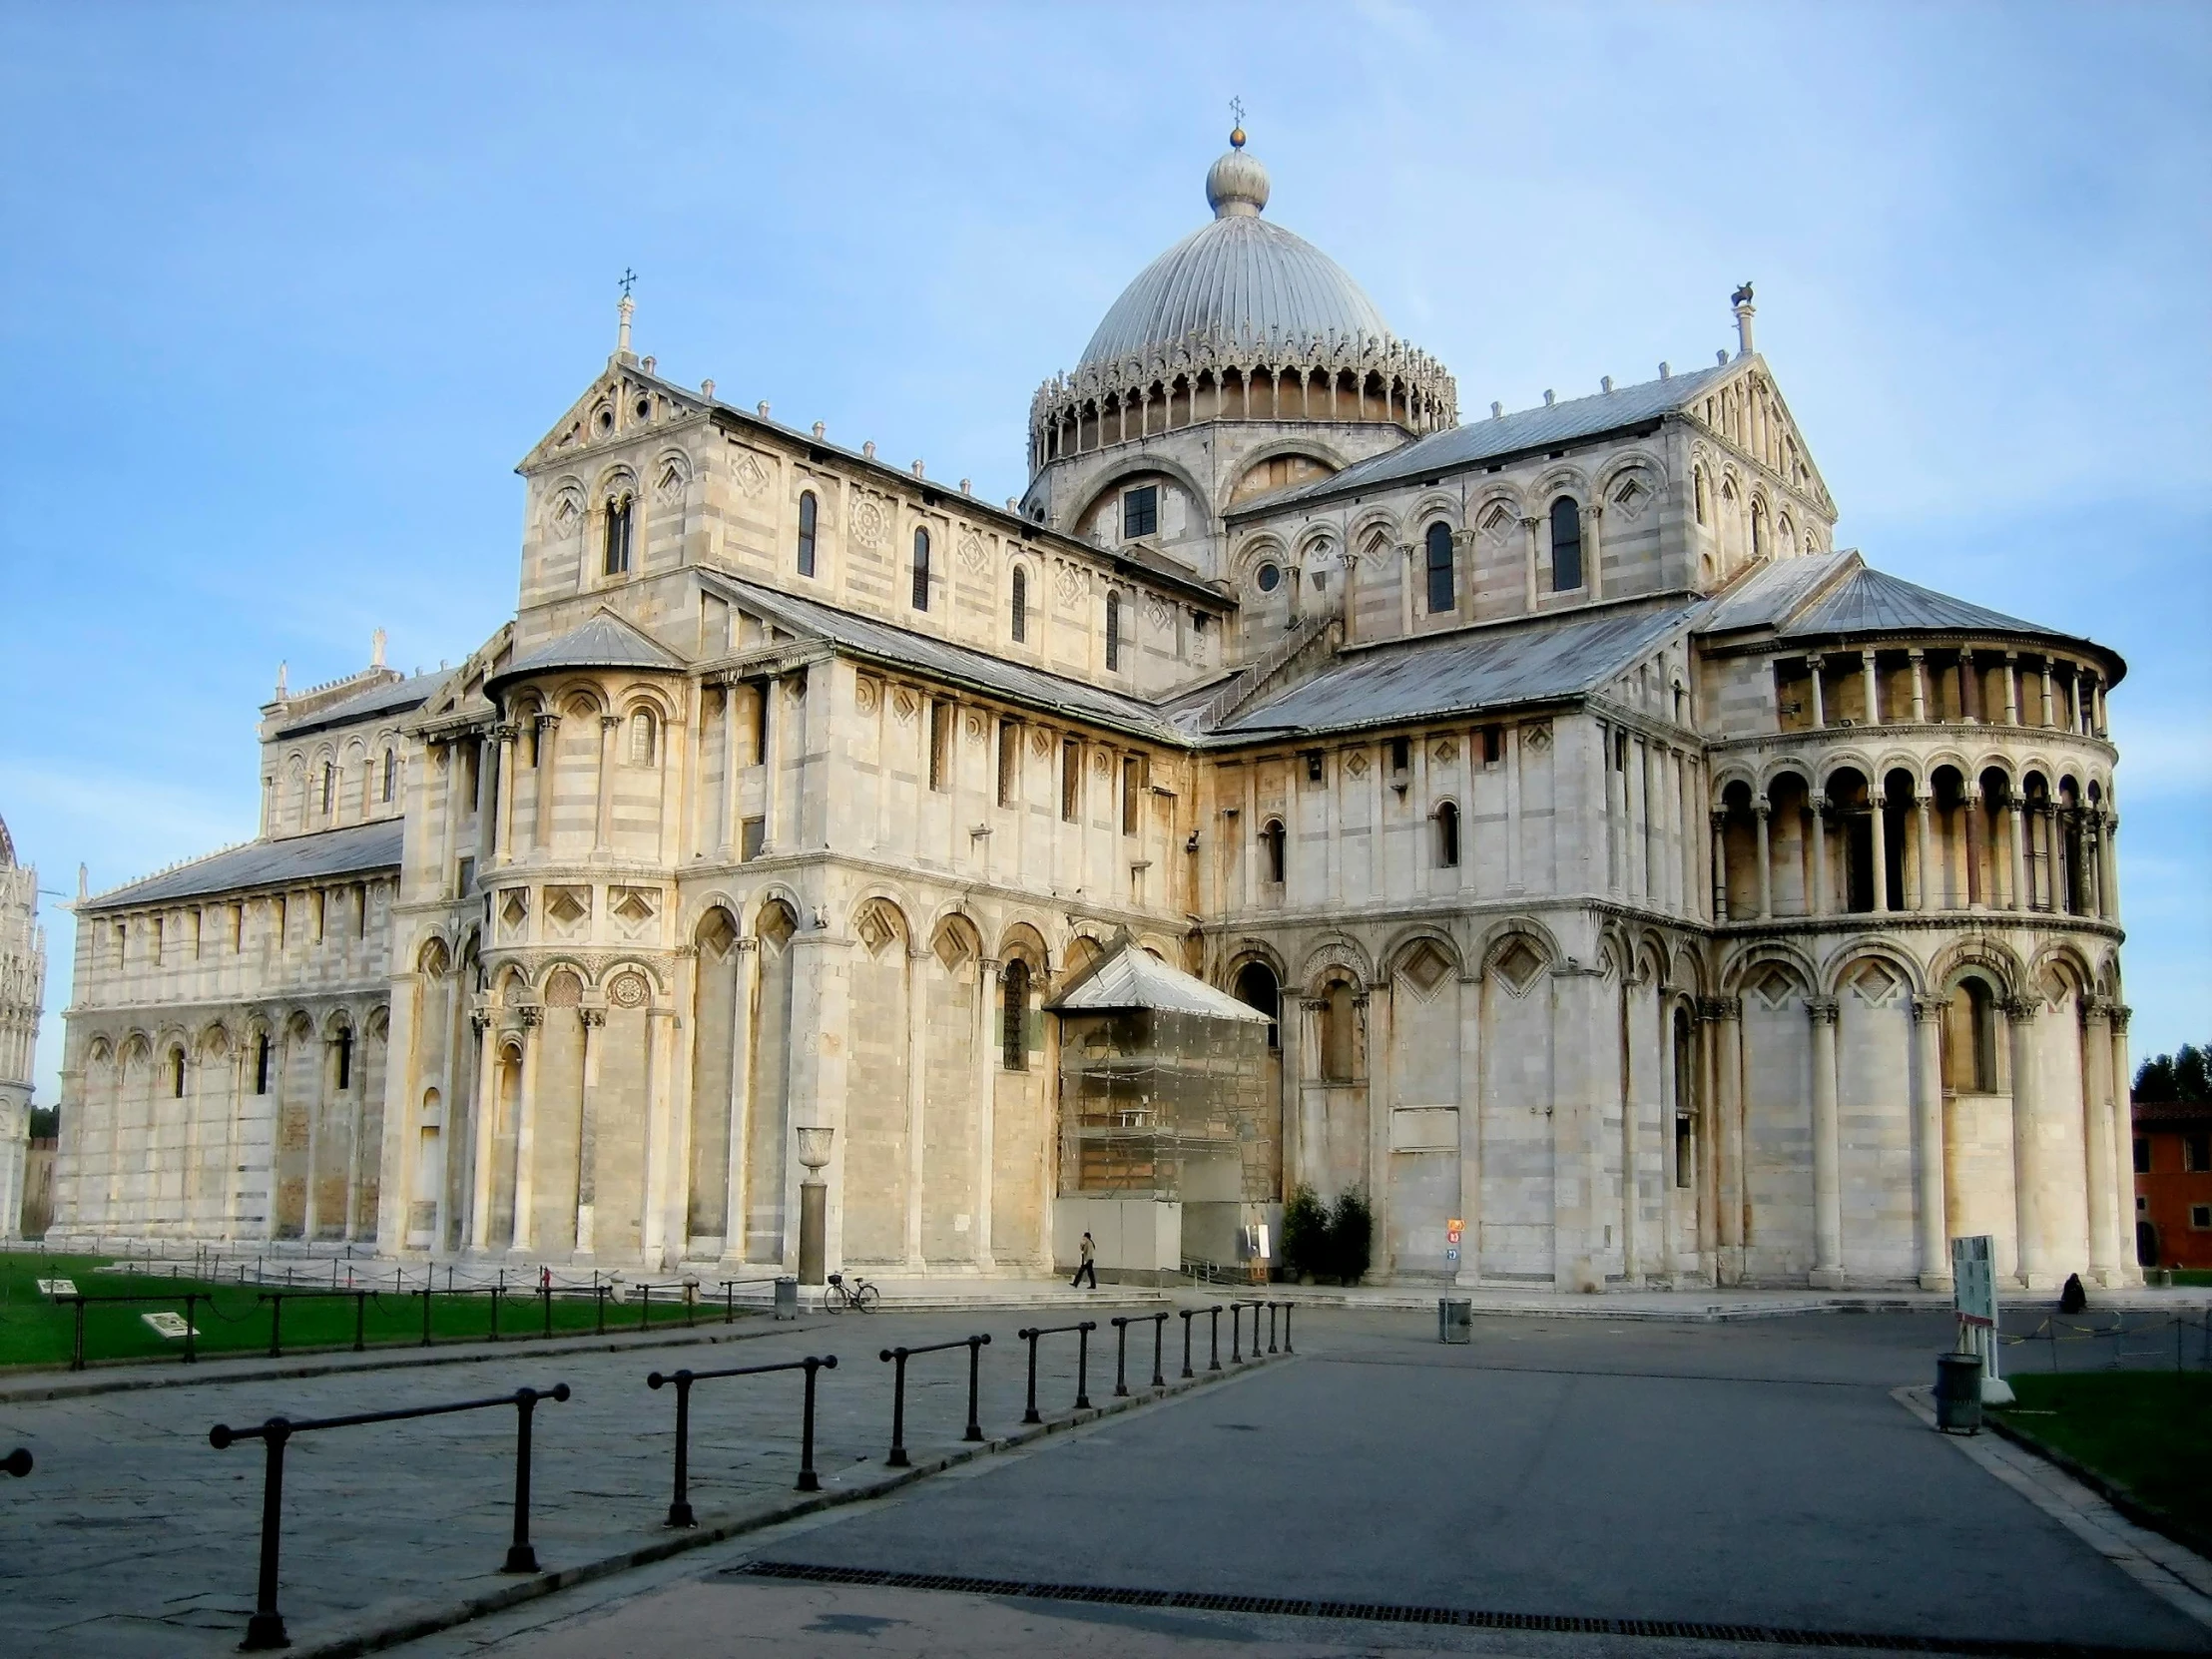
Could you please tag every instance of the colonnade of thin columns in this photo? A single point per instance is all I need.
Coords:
(2107, 1178)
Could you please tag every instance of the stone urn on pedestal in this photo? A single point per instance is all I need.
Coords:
(813, 1206)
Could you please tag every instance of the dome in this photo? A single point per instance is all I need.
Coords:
(1240, 281)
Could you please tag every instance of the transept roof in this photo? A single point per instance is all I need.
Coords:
(354, 851)
(1511, 434)
(603, 640)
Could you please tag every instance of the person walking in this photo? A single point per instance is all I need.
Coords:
(1086, 1266)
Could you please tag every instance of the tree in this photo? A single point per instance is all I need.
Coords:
(2179, 1078)
(1304, 1235)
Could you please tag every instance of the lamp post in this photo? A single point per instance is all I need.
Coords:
(813, 1206)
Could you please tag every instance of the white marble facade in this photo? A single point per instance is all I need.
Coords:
(1640, 881)
(22, 995)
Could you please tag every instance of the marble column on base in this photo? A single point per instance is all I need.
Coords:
(1927, 1120)
(2027, 1161)
(587, 1130)
(1828, 1191)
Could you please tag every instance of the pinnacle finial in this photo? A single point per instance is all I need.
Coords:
(1236, 123)
(625, 308)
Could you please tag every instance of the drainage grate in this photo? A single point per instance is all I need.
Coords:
(1205, 1601)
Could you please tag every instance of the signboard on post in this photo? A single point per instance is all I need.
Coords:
(1973, 1279)
(1453, 1229)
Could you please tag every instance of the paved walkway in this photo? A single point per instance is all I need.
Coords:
(135, 1537)
(1558, 1487)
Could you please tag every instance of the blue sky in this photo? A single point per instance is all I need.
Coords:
(290, 289)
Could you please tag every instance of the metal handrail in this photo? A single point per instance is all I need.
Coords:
(899, 1356)
(1082, 1363)
(1121, 1325)
(266, 1629)
(678, 1508)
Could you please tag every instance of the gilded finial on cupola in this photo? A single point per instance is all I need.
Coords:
(1237, 184)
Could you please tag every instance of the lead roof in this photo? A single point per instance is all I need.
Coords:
(355, 850)
(1544, 427)
(1129, 977)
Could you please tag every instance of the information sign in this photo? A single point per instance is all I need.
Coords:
(57, 1287)
(169, 1325)
(1453, 1253)
(1973, 1281)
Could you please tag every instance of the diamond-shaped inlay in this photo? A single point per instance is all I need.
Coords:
(951, 948)
(1426, 967)
(568, 904)
(514, 907)
(1518, 965)
(1356, 764)
(1776, 987)
(634, 904)
(876, 929)
(1874, 984)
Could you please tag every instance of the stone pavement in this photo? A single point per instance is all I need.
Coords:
(135, 1537)
(1634, 1488)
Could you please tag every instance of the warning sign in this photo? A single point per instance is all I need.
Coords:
(1453, 1229)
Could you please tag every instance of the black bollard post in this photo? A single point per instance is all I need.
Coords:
(808, 1482)
(1029, 1413)
(546, 1290)
(679, 1506)
(192, 1301)
(275, 1325)
(645, 1307)
(1235, 1332)
(266, 1629)
(497, 1291)
(1189, 1314)
(1213, 1339)
(1121, 1357)
(1286, 1348)
(599, 1297)
(974, 1367)
(897, 1356)
(520, 1556)
(729, 1302)
(360, 1320)
(1270, 1326)
(1159, 1325)
(426, 1311)
(76, 1341)
(1083, 1363)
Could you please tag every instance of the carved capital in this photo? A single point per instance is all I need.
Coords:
(2021, 1011)
(1823, 1010)
(1714, 1009)
(2121, 1014)
(504, 731)
(593, 1018)
(548, 721)
(607, 722)
(748, 942)
(529, 1013)
(1927, 1008)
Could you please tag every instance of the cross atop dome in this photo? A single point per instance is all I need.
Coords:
(1237, 184)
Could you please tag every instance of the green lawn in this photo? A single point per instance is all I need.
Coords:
(2193, 1276)
(36, 1332)
(2147, 1430)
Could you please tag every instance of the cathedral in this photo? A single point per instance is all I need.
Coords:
(22, 991)
(1529, 818)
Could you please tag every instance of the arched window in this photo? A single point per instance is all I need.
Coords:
(921, 570)
(329, 788)
(391, 773)
(343, 1054)
(1113, 632)
(1257, 987)
(1566, 545)
(641, 738)
(1338, 1035)
(1019, 606)
(1969, 1056)
(618, 536)
(1447, 836)
(1014, 1018)
(1759, 529)
(261, 1065)
(805, 532)
(1701, 508)
(1441, 599)
(175, 1074)
(1271, 843)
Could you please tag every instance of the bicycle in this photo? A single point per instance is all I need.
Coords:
(859, 1294)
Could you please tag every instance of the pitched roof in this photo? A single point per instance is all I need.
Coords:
(266, 863)
(1130, 977)
(603, 640)
(1544, 427)
(1871, 601)
(1768, 595)
(1461, 672)
(901, 647)
(392, 697)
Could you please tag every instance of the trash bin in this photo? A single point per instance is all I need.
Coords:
(787, 1299)
(1959, 1393)
(1455, 1321)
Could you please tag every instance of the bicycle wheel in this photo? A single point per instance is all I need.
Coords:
(866, 1299)
(833, 1299)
